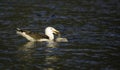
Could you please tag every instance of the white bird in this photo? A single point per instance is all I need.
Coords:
(31, 36)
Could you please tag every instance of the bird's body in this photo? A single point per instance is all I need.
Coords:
(31, 36)
(37, 36)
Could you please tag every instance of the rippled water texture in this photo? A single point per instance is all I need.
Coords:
(91, 26)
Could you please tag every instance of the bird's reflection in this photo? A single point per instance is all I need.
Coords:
(47, 56)
(50, 61)
(27, 46)
(31, 45)
(26, 51)
(52, 44)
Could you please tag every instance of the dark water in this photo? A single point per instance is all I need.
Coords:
(91, 26)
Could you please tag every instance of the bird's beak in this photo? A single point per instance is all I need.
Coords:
(56, 31)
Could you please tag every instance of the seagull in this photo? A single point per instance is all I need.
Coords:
(31, 36)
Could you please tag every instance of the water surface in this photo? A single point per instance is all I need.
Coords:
(92, 28)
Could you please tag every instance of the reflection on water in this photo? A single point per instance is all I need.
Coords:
(92, 28)
(28, 50)
(27, 46)
(30, 45)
